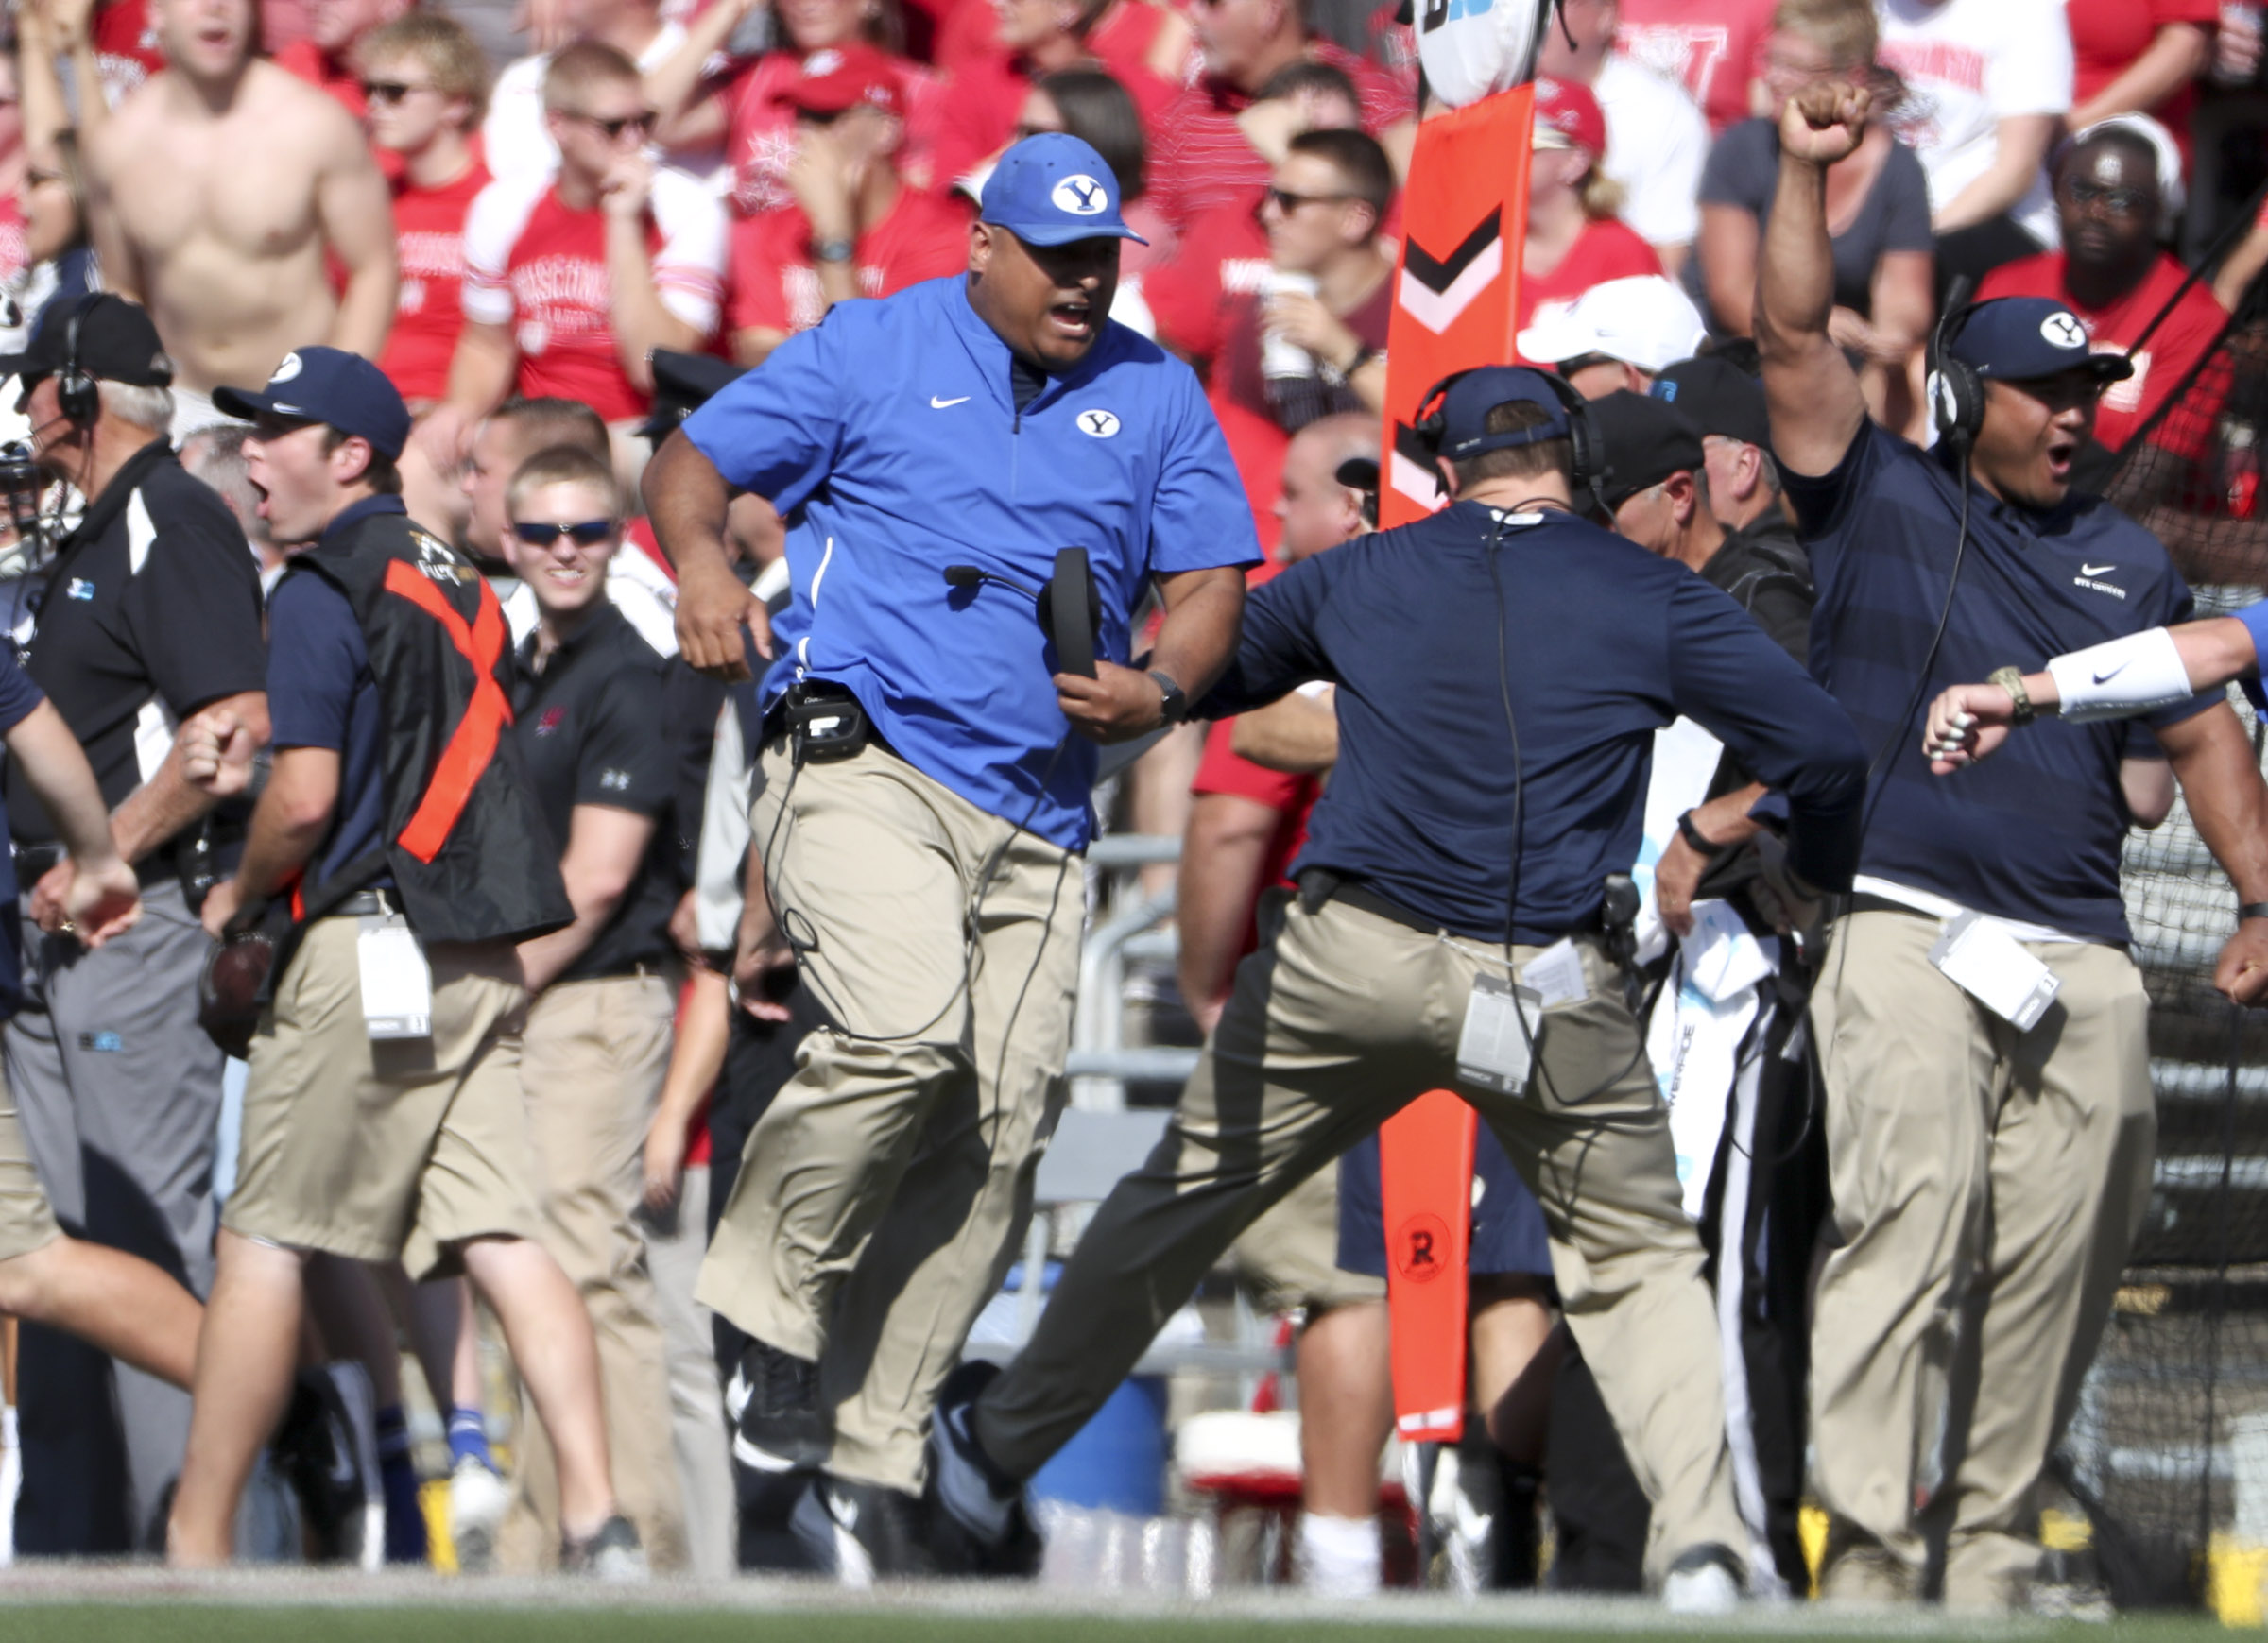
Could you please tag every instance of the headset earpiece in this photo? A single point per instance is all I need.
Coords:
(1588, 466)
(77, 394)
(1956, 391)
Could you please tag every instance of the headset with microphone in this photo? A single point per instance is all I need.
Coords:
(1069, 604)
(1955, 388)
(1589, 469)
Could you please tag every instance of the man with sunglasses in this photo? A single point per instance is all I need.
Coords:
(1982, 1028)
(921, 834)
(2118, 191)
(573, 279)
(588, 717)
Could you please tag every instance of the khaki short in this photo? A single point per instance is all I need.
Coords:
(374, 1149)
(26, 1219)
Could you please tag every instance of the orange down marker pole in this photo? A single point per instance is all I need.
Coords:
(1465, 219)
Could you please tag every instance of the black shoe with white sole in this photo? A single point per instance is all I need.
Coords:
(778, 1422)
(861, 1532)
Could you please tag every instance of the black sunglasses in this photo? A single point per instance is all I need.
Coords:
(389, 90)
(612, 130)
(537, 533)
(2119, 201)
(1288, 202)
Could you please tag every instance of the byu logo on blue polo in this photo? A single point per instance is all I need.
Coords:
(2063, 330)
(1081, 196)
(1100, 424)
(80, 587)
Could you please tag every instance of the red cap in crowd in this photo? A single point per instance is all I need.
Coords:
(841, 77)
(1569, 116)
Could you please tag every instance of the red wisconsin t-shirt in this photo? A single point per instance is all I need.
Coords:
(760, 139)
(125, 46)
(2158, 369)
(1224, 254)
(1710, 46)
(429, 242)
(538, 267)
(15, 243)
(1603, 251)
(776, 287)
(1201, 159)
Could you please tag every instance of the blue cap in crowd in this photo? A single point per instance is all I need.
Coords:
(2021, 338)
(329, 385)
(1471, 395)
(1052, 189)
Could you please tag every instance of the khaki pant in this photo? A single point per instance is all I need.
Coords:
(591, 1070)
(1987, 1185)
(1336, 1024)
(1290, 1256)
(27, 1220)
(675, 1242)
(930, 1100)
(373, 1149)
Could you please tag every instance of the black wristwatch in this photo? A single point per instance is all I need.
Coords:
(1707, 848)
(1174, 708)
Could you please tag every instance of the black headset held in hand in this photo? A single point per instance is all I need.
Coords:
(1589, 465)
(1070, 606)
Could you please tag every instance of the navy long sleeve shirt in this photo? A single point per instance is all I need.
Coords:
(1603, 643)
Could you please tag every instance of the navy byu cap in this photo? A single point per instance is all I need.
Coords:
(1052, 189)
(1467, 399)
(2021, 338)
(329, 385)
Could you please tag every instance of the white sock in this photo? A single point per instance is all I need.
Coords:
(1338, 1556)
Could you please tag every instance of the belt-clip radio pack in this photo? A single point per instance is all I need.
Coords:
(824, 721)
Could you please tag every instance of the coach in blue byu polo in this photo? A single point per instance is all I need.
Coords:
(927, 886)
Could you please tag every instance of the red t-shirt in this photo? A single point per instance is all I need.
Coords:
(1201, 158)
(1709, 46)
(429, 242)
(2107, 36)
(1121, 40)
(125, 46)
(775, 287)
(1224, 254)
(305, 59)
(2175, 346)
(1603, 251)
(535, 266)
(760, 140)
(980, 106)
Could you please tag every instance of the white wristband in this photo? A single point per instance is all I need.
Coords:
(2121, 678)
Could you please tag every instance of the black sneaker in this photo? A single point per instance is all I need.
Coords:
(976, 1518)
(861, 1532)
(778, 1424)
(321, 1449)
(614, 1554)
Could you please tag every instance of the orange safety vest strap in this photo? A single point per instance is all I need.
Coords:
(473, 744)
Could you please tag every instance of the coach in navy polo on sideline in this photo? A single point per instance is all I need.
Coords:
(927, 887)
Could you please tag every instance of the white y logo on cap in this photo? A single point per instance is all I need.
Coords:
(1081, 196)
(2063, 330)
(285, 372)
(1101, 424)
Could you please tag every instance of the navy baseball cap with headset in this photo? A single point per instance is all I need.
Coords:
(1053, 189)
(1467, 397)
(2024, 338)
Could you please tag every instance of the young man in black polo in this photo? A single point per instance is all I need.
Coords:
(1983, 1031)
(151, 613)
(588, 719)
(383, 1118)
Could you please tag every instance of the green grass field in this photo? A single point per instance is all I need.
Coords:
(131, 1607)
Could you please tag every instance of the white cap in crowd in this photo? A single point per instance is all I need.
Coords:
(1643, 320)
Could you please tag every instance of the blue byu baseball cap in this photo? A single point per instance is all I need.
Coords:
(330, 386)
(2019, 338)
(1466, 400)
(1052, 189)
